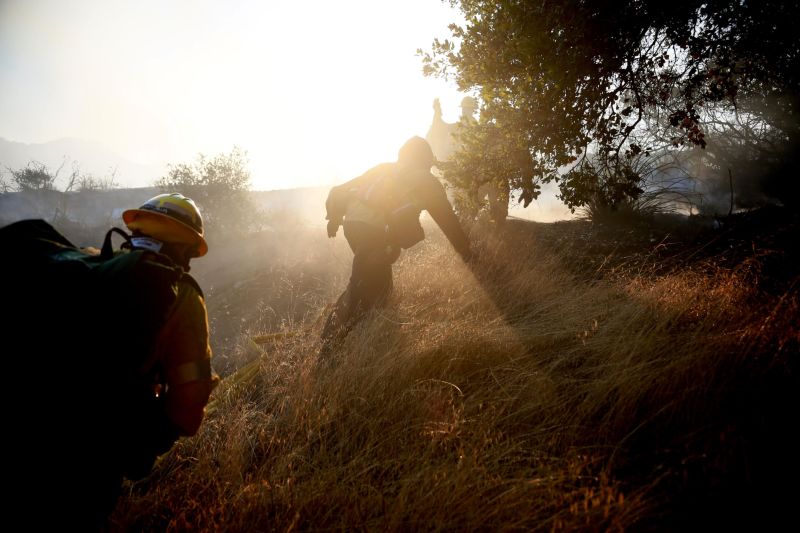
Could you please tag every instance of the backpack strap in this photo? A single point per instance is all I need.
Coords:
(191, 281)
(108, 250)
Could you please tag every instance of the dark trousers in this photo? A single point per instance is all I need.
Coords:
(370, 280)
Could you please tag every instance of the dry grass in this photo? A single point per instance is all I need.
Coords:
(513, 395)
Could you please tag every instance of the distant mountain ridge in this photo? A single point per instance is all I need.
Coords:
(91, 157)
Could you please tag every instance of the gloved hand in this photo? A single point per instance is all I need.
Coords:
(333, 227)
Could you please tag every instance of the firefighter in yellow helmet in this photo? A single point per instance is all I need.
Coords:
(171, 225)
(112, 362)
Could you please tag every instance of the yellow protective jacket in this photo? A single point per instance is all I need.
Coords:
(183, 354)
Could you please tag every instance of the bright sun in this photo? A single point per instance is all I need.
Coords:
(315, 91)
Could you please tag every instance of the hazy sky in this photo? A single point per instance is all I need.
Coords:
(316, 91)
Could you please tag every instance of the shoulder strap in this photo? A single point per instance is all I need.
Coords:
(167, 262)
(108, 251)
(191, 281)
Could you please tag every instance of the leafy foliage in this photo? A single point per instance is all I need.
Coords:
(488, 156)
(219, 186)
(610, 80)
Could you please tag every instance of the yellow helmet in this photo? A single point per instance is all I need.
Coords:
(170, 218)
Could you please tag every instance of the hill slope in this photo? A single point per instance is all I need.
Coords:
(574, 378)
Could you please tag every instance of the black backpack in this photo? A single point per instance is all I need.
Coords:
(83, 326)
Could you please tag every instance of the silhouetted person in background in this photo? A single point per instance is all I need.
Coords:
(443, 138)
(379, 212)
(442, 135)
(117, 361)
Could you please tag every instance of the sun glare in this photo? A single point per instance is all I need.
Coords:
(333, 93)
(315, 92)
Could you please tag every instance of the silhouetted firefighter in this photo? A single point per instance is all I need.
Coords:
(113, 364)
(444, 140)
(379, 212)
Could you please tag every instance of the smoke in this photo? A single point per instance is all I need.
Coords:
(729, 177)
(546, 208)
(749, 158)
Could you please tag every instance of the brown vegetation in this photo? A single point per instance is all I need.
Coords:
(574, 378)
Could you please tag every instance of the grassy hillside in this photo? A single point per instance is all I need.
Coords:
(575, 377)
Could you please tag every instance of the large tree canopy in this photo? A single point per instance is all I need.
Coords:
(618, 80)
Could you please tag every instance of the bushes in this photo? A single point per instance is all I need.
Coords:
(219, 185)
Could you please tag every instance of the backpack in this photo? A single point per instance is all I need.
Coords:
(85, 326)
(389, 195)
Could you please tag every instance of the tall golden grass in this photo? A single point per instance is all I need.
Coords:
(510, 394)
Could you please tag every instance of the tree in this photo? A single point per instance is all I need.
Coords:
(486, 155)
(5, 187)
(34, 177)
(591, 80)
(219, 186)
(83, 182)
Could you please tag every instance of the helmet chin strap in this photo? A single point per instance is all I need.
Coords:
(147, 243)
